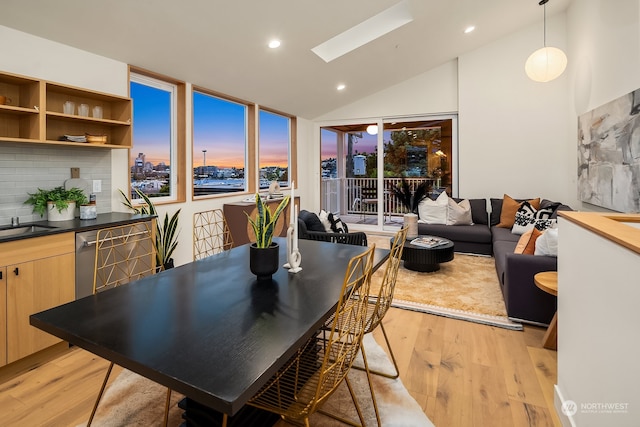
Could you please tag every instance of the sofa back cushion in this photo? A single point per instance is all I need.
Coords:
(311, 220)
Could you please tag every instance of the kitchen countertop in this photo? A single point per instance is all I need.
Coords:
(76, 225)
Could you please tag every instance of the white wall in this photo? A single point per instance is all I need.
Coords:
(514, 136)
(598, 323)
(597, 357)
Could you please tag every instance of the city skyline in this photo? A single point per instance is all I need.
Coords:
(219, 128)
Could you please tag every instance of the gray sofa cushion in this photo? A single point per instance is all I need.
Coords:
(504, 234)
(311, 220)
(465, 233)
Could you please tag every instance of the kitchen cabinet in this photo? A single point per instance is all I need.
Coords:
(33, 112)
(38, 274)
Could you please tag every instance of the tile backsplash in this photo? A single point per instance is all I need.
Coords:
(26, 167)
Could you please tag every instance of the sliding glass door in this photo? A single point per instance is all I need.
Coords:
(358, 184)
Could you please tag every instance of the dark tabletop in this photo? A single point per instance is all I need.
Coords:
(208, 329)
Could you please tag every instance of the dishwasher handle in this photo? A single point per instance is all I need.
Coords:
(93, 242)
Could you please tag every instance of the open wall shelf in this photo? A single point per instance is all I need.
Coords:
(33, 112)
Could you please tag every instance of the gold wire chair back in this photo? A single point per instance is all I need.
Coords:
(211, 233)
(378, 308)
(123, 254)
(319, 367)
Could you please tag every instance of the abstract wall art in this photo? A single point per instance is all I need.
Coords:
(609, 155)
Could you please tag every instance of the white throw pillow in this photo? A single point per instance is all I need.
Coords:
(324, 219)
(547, 243)
(459, 213)
(434, 211)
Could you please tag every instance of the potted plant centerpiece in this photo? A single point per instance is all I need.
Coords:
(264, 254)
(59, 203)
(166, 231)
(410, 200)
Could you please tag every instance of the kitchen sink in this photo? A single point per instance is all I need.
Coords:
(9, 231)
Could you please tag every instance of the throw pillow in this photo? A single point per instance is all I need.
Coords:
(547, 243)
(434, 211)
(527, 243)
(528, 217)
(459, 213)
(324, 219)
(337, 226)
(509, 208)
(311, 220)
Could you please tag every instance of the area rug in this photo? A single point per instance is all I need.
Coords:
(132, 400)
(466, 288)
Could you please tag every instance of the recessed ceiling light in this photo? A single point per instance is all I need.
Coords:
(469, 29)
(341, 87)
(274, 44)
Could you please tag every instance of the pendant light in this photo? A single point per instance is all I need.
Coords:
(546, 63)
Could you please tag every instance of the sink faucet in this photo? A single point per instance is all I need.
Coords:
(15, 221)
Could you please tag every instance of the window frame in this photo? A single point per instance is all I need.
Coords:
(178, 132)
(250, 139)
(291, 144)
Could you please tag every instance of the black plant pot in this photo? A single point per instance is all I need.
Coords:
(264, 262)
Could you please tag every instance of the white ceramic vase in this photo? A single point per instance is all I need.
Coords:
(65, 215)
(411, 221)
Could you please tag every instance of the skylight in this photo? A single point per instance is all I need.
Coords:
(377, 26)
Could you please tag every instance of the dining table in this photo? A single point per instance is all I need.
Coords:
(209, 329)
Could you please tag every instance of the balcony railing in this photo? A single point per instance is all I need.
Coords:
(359, 196)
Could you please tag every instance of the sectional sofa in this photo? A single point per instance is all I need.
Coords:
(524, 301)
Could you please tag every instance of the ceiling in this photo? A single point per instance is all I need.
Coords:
(222, 45)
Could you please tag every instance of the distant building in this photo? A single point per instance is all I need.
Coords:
(359, 165)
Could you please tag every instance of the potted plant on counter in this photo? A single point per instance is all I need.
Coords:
(59, 203)
(264, 254)
(166, 230)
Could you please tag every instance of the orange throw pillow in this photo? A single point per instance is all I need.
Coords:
(509, 208)
(527, 242)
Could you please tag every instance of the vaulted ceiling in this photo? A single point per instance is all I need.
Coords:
(222, 45)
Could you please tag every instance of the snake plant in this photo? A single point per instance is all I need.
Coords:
(265, 221)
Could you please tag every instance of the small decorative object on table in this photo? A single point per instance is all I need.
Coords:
(264, 254)
(293, 254)
(429, 241)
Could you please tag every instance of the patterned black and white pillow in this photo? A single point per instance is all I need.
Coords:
(337, 226)
(527, 217)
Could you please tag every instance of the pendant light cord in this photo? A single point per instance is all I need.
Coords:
(543, 3)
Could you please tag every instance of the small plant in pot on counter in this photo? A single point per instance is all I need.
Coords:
(59, 198)
(166, 231)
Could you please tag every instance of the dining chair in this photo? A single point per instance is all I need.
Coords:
(378, 304)
(123, 254)
(306, 381)
(211, 233)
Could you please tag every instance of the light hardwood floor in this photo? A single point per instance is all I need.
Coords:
(461, 373)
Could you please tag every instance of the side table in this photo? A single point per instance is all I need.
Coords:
(548, 282)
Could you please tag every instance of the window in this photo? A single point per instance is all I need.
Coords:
(219, 145)
(154, 156)
(274, 148)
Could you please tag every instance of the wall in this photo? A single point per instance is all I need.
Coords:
(597, 329)
(32, 56)
(604, 46)
(513, 131)
(25, 168)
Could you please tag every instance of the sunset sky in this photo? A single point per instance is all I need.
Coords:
(218, 128)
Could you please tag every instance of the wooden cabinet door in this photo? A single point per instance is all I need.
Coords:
(3, 316)
(32, 287)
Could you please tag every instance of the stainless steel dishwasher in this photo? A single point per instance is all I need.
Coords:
(86, 260)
